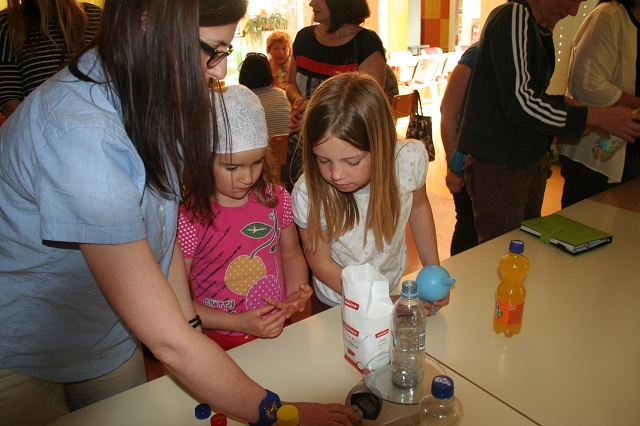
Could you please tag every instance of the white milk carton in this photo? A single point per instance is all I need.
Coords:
(366, 315)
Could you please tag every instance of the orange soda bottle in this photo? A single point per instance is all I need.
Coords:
(510, 294)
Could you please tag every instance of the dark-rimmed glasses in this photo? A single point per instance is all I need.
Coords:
(262, 55)
(215, 55)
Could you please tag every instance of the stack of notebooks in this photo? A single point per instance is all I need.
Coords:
(566, 234)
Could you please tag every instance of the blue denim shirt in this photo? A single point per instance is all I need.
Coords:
(69, 174)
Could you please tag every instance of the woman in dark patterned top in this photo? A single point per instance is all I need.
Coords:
(37, 39)
(337, 44)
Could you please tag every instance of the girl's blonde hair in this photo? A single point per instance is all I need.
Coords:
(351, 107)
(67, 15)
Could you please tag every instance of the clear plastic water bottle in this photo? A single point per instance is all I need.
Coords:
(408, 326)
(441, 407)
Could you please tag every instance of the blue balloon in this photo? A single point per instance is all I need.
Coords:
(434, 283)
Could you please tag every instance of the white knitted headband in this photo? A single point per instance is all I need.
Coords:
(243, 124)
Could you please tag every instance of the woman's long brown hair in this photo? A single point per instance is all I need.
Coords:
(149, 50)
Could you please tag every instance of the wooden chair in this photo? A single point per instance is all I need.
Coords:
(278, 144)
(403, 105)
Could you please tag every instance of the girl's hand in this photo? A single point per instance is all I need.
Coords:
(255, 323)
(432, 307)
(295, 302)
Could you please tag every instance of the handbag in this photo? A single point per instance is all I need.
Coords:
(420, 127)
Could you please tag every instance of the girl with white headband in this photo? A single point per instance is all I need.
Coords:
(248, 251)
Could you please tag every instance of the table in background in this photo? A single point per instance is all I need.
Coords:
(306, 363)
(625, 196)
(577, 359)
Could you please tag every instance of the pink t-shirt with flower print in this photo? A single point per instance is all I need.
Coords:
(236, 259)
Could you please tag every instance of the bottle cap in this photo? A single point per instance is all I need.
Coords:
(516, 246)
(288, 415)
(218, 419)
(203, 411)
(442, 387)
(409, 289)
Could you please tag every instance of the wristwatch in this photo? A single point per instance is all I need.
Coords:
(268, 409)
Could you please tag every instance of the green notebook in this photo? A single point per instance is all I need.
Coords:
(566, 234)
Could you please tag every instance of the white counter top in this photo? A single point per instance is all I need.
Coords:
(306, 363)
(577, 358)
(576, 361)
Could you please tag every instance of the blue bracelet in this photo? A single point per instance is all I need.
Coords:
(457, 162)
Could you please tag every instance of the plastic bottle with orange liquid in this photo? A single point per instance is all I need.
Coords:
(510, 294)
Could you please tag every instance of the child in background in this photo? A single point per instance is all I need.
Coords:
(360, 187)
(248, 253)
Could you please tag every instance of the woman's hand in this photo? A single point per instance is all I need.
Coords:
(323, 414)
(297, 111)
(295, 302)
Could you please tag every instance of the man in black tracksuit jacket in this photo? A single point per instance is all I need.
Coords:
(509, 120)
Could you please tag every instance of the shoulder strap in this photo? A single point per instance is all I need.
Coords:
(418, 104)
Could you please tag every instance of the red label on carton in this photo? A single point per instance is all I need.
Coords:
(351, 304)
(382, 333)
(351, 329)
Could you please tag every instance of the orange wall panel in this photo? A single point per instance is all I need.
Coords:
(431, 9)
(444, 33)
(444, 8)
(430, 32)
(435, 22)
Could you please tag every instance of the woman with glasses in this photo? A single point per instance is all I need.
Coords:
(255, 73)
(92, 168)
